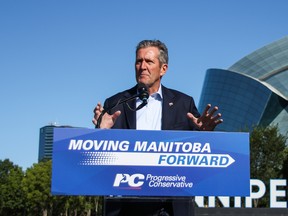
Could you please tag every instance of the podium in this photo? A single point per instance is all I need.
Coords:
(149, 172)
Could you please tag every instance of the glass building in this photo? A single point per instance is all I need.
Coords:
(46, 141)
(253, 91)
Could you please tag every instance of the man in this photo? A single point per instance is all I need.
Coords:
(167, 109)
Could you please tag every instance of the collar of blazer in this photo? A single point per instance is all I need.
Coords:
(168, 106)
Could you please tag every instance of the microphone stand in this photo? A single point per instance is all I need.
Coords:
(118, 103)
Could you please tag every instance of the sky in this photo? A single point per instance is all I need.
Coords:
(58, 58)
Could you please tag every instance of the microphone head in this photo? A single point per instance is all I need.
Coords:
(143, 92)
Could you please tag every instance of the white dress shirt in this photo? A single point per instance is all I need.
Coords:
(150, 116)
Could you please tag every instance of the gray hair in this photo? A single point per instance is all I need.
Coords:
(163, 50)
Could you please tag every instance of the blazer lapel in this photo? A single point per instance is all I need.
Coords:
(129, 113)
(167, 108)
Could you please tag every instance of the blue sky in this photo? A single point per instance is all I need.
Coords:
(59, 58)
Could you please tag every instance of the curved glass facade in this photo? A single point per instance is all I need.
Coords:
(269, 65)
(241, 99)
(251, 92)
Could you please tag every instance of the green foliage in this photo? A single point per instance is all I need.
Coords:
(267, 156)
(36, 185)
(285, 166)
(29, 194)
(12, 199)
(267, 147)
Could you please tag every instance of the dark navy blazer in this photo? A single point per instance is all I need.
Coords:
(175, 107)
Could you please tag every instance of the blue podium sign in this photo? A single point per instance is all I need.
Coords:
(150, 163)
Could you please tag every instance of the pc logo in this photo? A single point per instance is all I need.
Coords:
(130, 180)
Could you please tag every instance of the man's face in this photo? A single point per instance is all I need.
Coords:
(148, 69)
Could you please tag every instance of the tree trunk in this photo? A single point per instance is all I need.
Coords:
(45, 212)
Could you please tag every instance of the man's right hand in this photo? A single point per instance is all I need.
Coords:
(107, 120)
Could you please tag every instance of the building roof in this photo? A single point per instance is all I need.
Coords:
(268, 65)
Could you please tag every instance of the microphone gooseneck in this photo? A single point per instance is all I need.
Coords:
(143, 92)
(143, 95)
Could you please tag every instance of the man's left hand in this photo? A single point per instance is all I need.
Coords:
(207, 121)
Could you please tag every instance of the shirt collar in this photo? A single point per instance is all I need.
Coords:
(158, 94)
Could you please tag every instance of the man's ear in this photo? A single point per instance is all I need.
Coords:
(164, 69)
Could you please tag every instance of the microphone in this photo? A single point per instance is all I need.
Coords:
(142, 93)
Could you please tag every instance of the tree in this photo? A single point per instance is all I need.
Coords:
(11, 194)
(267, 155)
(78, 205)
(36, 184)
(285, 167)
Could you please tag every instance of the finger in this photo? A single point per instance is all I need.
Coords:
(116, 115)
(214, 118)
(98, 107)
(197, 121)
(219, 121)
(211, 113)
(215, 121)
(191, 116)
(206, 109)
(94, 121)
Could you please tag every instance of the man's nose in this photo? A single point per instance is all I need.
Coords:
(143, 65)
